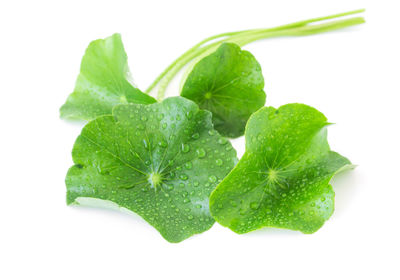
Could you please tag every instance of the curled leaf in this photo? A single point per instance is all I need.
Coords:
(103, 82)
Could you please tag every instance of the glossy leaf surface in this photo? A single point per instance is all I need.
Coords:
(103, 82)
(228, 83)
(282, 180)
(160, 161)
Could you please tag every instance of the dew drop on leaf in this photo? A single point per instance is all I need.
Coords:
(162, 143)
(222, 141)
(145, 144)
(212, 179)
(254, 205)
(201, 153)
(188, 165)
(160, 116)
(196, 136)
(185, 148)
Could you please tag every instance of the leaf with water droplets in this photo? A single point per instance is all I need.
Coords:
(228, 83)
(164, 175)
(282, 180)
(103, 82)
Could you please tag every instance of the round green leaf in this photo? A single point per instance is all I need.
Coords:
(160, 161)
(282, 180)
(103, 82)
(228, 83)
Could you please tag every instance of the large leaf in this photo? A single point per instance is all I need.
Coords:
(282, 180)
(229, 83)
(161, 161)
(103, 82)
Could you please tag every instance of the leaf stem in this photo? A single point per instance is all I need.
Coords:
(206, 46)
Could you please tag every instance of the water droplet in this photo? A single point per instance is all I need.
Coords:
(146, 145)
(201, 153)
(196, 136)
(190, 217)
(160, 116)
(188, 165)
(189, 114)
(222, 141)
(164, 125)
(163, 143)
(185, 148)
(212, 179)
(183, 177)
(195, 183)
(219, 162)
(254, 205)
(211, 132)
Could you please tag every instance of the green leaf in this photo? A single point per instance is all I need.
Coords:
(103, 82)
(282, 180)
(229, 83)
(161, 161)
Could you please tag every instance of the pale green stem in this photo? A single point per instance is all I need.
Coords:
(301, 28)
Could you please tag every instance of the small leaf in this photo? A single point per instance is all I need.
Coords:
(103, 82)
(229, 83)
(282, 180)
(161, 161)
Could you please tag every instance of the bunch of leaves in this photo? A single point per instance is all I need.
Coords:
(162, 160)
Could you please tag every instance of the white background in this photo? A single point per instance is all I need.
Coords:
(352, 76)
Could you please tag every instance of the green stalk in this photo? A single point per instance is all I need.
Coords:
(300, 28)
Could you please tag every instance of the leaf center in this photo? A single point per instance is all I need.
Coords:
(155, 179)
(208, 95)
(272, 175)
